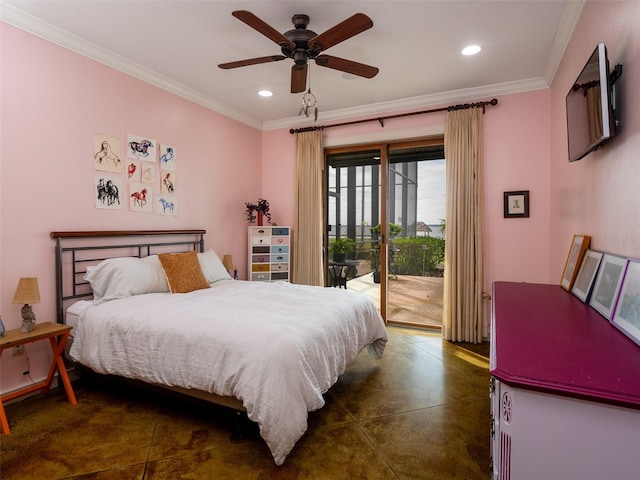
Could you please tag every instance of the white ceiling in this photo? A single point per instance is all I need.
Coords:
(177, 45)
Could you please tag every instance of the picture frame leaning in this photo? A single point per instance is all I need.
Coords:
(626, 315)
(607, 284)
(579, 246)
(586, 275)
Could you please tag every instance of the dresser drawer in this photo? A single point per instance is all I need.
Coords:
(260, 240)
(280, 240)
(265, 249)
(260, 277)
(260, 267)
(260, 232)
(279, 267)
(259, 258)
(279, 248)
(280, 258)
(280, 276)
(279, 231)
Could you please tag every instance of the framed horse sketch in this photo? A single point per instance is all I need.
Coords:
(108, 191)
(141, 148)
(168, 158)
(107, 153)
(140, 197)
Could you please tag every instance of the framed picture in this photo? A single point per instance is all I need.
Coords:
(586, 275)
(626, 316)
(607, 284)
(516, 204)
(579, 246)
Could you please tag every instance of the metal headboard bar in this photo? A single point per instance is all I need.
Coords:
(79, 264)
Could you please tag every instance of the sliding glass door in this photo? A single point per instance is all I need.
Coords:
(373, 203)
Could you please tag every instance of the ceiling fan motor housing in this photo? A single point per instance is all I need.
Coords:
(300, 36)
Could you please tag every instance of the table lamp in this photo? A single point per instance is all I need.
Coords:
(27, 293)
(227, 261)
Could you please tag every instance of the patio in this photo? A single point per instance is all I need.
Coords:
(413, 300)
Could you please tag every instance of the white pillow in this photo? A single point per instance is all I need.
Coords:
(212, 267)
(126, 276)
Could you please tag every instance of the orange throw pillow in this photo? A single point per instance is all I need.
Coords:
(183, 272)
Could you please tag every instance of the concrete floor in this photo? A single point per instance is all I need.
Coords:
(413, 300)
(421, 412)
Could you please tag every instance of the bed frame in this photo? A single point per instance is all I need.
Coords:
(75, 251)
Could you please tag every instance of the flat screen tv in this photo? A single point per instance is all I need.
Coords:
(589, 107)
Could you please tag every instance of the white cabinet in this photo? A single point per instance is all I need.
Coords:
(565, 393)
(269, 255)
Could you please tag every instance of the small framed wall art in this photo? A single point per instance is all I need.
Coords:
(586, 275)
(516, 204)
(579, 246)
(626, 316)
(607, 285)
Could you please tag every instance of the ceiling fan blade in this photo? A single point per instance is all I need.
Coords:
(348, 66)
(262, 27)
(251, 61)
(348, 28)
(298, 78)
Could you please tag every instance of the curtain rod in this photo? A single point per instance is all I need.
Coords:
(381, 120)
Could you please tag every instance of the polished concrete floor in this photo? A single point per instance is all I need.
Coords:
(421, 412)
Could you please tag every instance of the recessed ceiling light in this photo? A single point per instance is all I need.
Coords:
(265, 93)
(471, 50)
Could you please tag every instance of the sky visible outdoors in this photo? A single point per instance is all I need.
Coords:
(431, 192)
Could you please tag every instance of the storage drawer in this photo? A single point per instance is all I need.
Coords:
(260, 267)
(259, 258)
(280, 276)
(260, 277)
(260, 231)
(279, 231)
(279, 240)
(266, 249)
(260, 240)
(279, 267)
(279, 249)
(279, 258)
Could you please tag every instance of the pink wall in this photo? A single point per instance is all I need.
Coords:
(598, 195)
(53, 101)
(516, 158)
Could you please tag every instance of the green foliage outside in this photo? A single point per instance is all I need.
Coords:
(342, 245)
(418, 256)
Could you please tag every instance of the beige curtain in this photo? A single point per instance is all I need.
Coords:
(464, 266)
(307, 228)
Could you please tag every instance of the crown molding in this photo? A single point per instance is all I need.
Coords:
(30, 24)
(51, 33)
(411, 104)
(568, 21)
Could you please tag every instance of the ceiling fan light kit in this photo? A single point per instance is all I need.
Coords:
(301, 45)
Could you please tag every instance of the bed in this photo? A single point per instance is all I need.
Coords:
(269, 349)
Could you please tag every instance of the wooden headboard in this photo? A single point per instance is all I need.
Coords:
(75, 251)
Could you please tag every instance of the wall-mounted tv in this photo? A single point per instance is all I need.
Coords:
(589, 107)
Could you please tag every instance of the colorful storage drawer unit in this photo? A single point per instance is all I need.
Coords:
(268, 254)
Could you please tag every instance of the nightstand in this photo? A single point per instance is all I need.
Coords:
(57, 335)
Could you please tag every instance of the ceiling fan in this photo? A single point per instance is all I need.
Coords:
(301, 45)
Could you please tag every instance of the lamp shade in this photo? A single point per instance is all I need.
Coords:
(27, 291)
(227, 261)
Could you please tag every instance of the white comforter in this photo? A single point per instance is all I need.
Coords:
(275, 346)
